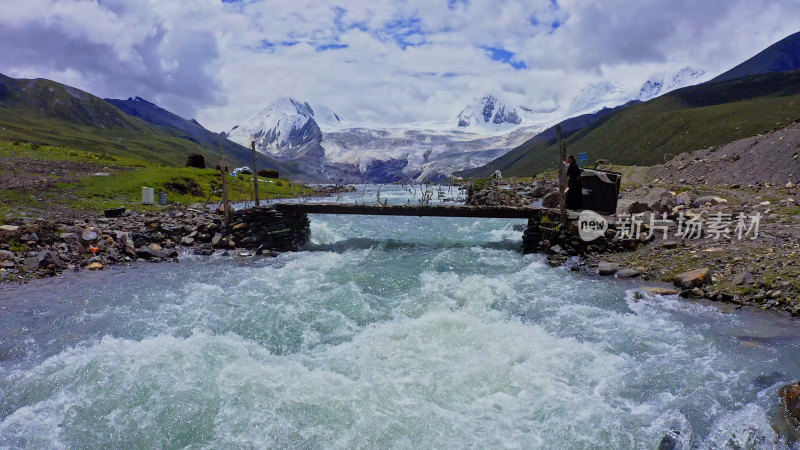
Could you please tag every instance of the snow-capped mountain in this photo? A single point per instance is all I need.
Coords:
(316, 140)
(607, 94)
(490, 114)
(283, 127)
(662, 83)
(595, 96)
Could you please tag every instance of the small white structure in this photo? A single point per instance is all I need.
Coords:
(497, 175)
(148, 196)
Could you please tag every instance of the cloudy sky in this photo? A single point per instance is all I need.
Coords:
(374, 61)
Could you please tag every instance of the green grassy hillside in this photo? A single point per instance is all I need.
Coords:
(45, 181)
(681, 121)
(49, 113)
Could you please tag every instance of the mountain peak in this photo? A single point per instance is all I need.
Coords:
(488, 112)
(284, 126)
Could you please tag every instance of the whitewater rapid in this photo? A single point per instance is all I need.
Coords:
(383, 333)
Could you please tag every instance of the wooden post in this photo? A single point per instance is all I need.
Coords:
(255, 172)
(225, 205)
(562, 182)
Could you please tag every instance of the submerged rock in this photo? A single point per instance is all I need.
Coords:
(661, 290)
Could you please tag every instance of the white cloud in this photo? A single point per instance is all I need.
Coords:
(373, 61)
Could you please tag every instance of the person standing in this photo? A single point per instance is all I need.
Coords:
(574, 189)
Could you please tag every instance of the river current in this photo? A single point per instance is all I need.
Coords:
(385, 332)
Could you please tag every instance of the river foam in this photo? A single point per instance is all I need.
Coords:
(409, 333)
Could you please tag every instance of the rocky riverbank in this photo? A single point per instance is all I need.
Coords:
(40, 248)
(744, 262)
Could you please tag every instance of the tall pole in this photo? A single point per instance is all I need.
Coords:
(255, 172)
(562, 182)
(225, 205)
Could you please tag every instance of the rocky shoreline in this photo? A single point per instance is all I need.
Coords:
(758, 272)
(32, 249)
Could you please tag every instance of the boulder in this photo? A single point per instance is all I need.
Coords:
(551, 200)
(659, 199)
(538, 191)
(114, 212)
(95, 266)
(627, 273)
(152, 251)
(187, 240)
(6, 255)
(89, 235)
(27, 237)
(47, 257)
(684, 198)
(77, 248)
(605, 268)
(31, 263)
(9, 228)
(789, 396)
(693, 278)
(693, 293)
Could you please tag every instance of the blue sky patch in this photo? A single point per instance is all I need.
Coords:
(406, 32)
(502, 55)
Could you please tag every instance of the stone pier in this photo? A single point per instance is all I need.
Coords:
(266, 228)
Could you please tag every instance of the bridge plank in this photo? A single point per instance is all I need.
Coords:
(497, 212)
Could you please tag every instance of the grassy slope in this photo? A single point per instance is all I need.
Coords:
(50, 113)
(123, 187)
(684, 120)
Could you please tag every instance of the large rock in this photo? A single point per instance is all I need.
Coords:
(684, 198)
(659, 199)
(47, 257)
(152, 251)
(539, 191)
(89, 236)
(552, 200)
(693, 278)
(31, 263)
(790, 402)
(6, 255)
(114, 212)
(628, 273)
(126, 243)
(606, 268)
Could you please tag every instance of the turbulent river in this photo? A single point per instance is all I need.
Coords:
(384, 332)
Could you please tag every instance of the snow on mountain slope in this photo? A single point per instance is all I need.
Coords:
(488, 114)
(662, 83)
(486, 128)
(606, 94)
(283, 127)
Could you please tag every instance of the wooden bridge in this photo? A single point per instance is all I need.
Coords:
(496, 212)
